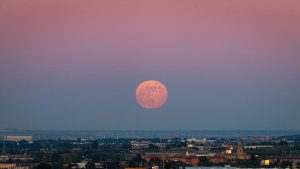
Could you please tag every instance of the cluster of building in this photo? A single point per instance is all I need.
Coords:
(13, 166)
(154, 153)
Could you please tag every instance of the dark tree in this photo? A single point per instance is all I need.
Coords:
(112, 165)
(57, 166)
(43, 166)
(253, 162)
(55, 157)
(137, 162)
(72, 166)
(285, 164)
(95, 145)
(90, 165)
(156, 162)
(174, 165)
(204, 161)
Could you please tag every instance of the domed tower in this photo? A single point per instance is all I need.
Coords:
(240, 151)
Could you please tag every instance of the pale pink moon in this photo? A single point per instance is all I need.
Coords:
(151, 94)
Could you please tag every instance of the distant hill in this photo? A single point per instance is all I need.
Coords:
(151, 134)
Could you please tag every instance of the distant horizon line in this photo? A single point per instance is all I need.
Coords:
(147, 130)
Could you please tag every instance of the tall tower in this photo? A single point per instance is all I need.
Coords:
(240, 151)
(3, 146)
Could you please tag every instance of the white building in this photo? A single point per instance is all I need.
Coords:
(18, 138)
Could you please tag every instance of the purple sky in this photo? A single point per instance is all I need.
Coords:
(76, 64)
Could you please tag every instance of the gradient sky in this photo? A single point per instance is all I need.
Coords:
(67, 65)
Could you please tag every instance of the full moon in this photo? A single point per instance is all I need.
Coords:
(151, 94)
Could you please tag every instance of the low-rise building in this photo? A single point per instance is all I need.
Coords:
(18, 138)
(188, 159)
(7, 166)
